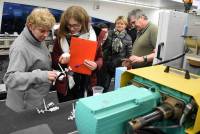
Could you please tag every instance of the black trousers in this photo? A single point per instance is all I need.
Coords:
(104, 78)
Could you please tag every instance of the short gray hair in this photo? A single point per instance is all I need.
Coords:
(137, 13)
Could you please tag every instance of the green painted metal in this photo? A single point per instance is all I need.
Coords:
(108, 113)
(163, 89)
(165, 124)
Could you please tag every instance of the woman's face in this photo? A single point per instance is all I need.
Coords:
(73, 26)
(120, 25)
(40, 33)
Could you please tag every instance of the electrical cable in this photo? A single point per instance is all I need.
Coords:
(174, 58)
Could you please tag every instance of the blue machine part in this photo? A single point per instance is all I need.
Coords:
(108, 113)
(118, 73)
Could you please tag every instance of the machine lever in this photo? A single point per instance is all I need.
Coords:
(159, 49)
(187, 74)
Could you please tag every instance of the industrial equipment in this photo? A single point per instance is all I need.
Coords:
(192, 41)
(154, 99)
(178, 31)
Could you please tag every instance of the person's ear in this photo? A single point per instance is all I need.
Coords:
(30, 26)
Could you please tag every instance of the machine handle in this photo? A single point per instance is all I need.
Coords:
(159, 49)
(187, 73)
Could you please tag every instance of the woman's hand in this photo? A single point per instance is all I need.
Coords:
(90, 64)
(52, 75)
(64, 58)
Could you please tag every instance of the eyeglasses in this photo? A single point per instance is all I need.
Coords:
(132, 22)
(75, 26)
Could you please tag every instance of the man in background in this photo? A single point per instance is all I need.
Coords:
(143, 48)
(130, 29)
(187, 5)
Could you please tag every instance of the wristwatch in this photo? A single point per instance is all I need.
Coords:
(145, 59)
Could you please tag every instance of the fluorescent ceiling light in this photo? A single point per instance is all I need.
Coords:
(134, 3)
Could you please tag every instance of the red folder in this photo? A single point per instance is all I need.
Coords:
(80, 50)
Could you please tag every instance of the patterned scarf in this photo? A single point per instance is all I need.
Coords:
(117, 41)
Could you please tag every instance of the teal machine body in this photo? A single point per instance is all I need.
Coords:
(109, 113)
(153, 98)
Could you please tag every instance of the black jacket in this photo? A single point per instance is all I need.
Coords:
(114, 59)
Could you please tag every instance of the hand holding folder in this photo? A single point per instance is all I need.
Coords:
(81, 50)
(90, 64)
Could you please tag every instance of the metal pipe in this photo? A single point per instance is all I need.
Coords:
(141, 121)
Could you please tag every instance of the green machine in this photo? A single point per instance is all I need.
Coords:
(149, 98)
(109, 112)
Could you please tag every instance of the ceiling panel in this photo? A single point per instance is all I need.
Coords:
(162, 4)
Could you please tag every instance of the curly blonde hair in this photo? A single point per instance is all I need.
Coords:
(41, 17)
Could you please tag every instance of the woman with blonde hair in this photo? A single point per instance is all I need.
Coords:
(29, 76)
(117, 47)
(75, 22)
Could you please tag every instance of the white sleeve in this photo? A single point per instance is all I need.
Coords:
(93, 36)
